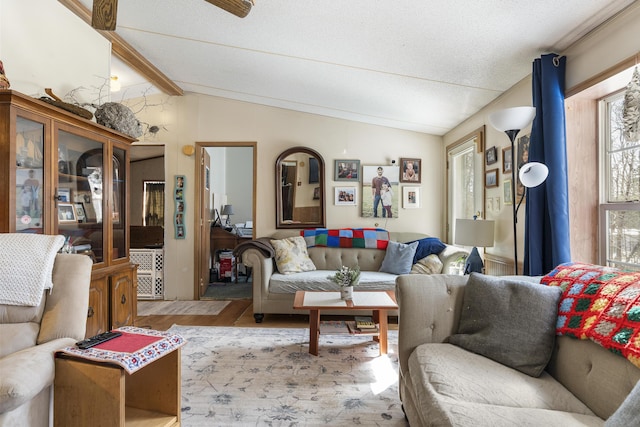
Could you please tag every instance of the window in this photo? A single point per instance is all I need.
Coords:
(619, 189)
(465, 181)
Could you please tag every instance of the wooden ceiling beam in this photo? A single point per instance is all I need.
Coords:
(127, 54)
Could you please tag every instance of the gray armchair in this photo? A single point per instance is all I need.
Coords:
(29, 337)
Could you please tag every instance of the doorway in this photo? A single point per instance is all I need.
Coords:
(226, 181)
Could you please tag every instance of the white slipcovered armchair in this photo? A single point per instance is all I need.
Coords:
(30, 335)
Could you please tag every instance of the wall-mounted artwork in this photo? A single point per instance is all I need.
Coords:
(491, 178)
(178, 196)
(380, 191)
(523, 157)
(411, 169)
(507, 160)
(346, 196)
(410, 197)
(491, 155)
(346, 170)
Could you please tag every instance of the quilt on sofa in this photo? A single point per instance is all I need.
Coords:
(601, 304)
(368, 238)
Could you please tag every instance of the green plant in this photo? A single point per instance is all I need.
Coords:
(346, 276)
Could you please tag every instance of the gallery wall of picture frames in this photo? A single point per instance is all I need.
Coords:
(180, 207)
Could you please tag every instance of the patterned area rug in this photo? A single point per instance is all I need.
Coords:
(163, 308)
(266, 377)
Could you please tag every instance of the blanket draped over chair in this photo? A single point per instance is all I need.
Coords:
(369, 238)
(26, 265)
(601, 304)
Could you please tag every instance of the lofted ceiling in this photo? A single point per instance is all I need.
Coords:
(418, 65)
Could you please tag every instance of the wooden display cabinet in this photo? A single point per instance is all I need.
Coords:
(63, 174)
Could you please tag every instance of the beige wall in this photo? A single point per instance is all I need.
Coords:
(194, 118)
(600, 50)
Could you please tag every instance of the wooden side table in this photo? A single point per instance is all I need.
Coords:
(88, 393)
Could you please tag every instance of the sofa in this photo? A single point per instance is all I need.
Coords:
(274, 292)
(29, 336)
(441, 383)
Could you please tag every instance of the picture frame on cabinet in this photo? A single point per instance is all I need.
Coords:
(80, 213)
(66, 213)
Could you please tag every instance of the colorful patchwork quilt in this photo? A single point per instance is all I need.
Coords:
(369, 238)
(601, 304)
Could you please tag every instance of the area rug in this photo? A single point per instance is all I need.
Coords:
(266, 377)
(163, 308)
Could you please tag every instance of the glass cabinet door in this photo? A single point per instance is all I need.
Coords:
(118, 207)
(29, 176)
(79, 196)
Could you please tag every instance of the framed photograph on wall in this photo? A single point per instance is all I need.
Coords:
(66, 213)
(507, 160)
(345, 196)
(491, 155)
(346, 170)
(491, 178)
(410, 197)
(410, 170)
(506, 192)
(379, 196)
(523, 157)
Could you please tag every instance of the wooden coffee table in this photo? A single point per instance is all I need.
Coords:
(377, 301)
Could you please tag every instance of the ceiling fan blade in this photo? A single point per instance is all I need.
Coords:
(240, 8)
(104, 14)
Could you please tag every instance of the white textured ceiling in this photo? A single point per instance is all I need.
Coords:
(421, 65)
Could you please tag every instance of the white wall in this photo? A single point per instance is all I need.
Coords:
(44, 45)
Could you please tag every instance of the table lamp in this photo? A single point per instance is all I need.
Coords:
(228, 211)
(474, 232)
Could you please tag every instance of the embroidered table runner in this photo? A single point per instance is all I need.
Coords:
(134, 349)
(369, 238)
(601, 304)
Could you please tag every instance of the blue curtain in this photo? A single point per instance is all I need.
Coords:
(546, 235)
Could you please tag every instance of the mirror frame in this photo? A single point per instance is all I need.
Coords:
(321, 182)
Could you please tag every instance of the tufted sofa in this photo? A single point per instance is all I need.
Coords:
(441, 384)
(274, 292)
(29, 336)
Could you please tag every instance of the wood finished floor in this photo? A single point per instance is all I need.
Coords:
(237, 313)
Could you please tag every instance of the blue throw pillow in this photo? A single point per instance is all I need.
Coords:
(428, 246)
(399, 257)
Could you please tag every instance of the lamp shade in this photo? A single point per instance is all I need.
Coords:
(227, 210)
(515, 118)
(533, 174)
(470, 232)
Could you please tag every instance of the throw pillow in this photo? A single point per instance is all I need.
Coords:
(291, 255)
(512, 322)
(428, 265)
(428, 246)
(399, 258)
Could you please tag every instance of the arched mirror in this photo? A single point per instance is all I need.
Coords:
(300, 198)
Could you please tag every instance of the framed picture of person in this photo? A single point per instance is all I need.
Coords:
(410, 170)
(491, 155)
(410, 197)
(346, 196)
(379, 197)
(506, 192)
(346, 170)
(66, 213)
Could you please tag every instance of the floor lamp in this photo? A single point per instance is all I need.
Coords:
(511, 121)
(473, 232)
